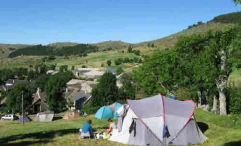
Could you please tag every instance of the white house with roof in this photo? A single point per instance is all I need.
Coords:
(80, 85)
(90, 73)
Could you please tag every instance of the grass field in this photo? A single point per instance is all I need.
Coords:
(221, 131)
(235, 76)
(93, 59)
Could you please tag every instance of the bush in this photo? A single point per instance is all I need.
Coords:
(90, 109)
(182, 94)
(136, 52)
(119, 71)
(234, 102)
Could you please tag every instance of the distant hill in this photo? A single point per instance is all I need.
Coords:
(62, 44)
(112, 44)
(220, 23)
(41, 50)
(5, 49)
(169, 41)
(228, 18)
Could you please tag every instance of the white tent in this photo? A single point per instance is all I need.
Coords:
(44, 116)
(157, 121)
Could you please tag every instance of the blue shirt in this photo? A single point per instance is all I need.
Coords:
(87, 128)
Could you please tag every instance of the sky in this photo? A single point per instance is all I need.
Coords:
(92, 21)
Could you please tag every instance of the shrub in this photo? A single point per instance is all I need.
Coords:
(90, 109)
(234, 102)
(182, 94)
(119, 71)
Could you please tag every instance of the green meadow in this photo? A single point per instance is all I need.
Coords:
(220, 130)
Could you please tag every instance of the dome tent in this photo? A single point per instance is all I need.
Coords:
(160, 121)
(114, 107)
(104, 112)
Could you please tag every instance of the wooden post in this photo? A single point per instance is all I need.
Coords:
(22, 108)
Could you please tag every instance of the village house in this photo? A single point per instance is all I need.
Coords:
(39, 103)
(111, 70)
(83, 85)
(10, 83)
(79, 99)
(89, 73)
(79, 92)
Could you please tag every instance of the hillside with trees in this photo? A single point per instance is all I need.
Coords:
(112, 45)
(40, 50)
(6, 49)
(219, 23)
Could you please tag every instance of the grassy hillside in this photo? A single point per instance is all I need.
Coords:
(169, 41)
(62, 44)
(112, 44)
(5, 49)
(228, 18)
(218, 23)
(221, 131)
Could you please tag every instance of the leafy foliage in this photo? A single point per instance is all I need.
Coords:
(119, 71)
(108, 62)
(228, 18)
(237, 2)
(54, 90)
(14, 99)
(41, 81)
(106, 91)
(127, 91)
(234, 93)
(196, 65)
(40, 50)
(63, 68)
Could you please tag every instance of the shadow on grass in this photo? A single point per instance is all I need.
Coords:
(57, 118)
(38, 137)
(234, 143)
(26, 143)
(203, 126)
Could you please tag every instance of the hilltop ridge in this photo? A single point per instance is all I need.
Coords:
(219, 23)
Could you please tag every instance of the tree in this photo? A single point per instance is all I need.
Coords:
(6, 74)
(136, 52)
(21, 72)
(70, 103)
(128, 88)
(199, 63)
(129, 49)
(106, 91)
(159, 74)
(72, 68)
(54, 89)
(52, 67)
(119, 71)
(31, 75)
(118, 61)
(109, 62)
(237, 2)
(14, 100)
(42, 80)
(63, 68)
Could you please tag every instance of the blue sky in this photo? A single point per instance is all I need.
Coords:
(90, 21)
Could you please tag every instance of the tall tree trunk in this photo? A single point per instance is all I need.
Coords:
(222, 101)
(215, 104)
(222, 84)
(199, 94)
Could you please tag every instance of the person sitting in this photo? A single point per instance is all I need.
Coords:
(87, 131)
(111, 126)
